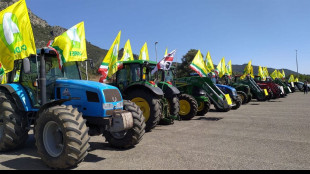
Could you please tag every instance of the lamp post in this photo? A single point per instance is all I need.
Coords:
(297, 64)
(156, 50)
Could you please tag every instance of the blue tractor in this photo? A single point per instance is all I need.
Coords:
(236, 100)
(63, 110)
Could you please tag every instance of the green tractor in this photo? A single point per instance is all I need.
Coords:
(287, 90)
(256, 91)
(187, 104)
(134, 82)
(243, 90)
(205, 92)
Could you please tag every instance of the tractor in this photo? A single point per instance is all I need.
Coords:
(63, 110)
(187, 103)
(134, 81)
(257, 93)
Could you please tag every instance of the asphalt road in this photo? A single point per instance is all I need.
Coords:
(258, 136)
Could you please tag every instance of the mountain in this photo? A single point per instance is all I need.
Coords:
(239, 70)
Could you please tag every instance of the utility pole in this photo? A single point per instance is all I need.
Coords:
(297, 64)
(156, 50)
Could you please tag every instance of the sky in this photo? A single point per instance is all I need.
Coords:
(268, 32)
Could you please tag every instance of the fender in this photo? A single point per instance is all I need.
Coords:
(154, 90)
(169, 90)
(20, 96)
(51, 104)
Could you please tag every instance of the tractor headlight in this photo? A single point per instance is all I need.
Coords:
(119, 105)
(107, 106)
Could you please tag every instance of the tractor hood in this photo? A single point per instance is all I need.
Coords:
(83, 84)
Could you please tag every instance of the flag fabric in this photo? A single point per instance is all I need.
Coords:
(165, 63)
(296, 80)
(229, 68)
(280, 75)
(283, 73)
(266, 73)
(1, 70)
(3, 81)
(17, 41)
(198, 65)
(110, 59)
(166, 52)
(144, 53)
(247, 70)
(127, 55)
(261, 73)
(274, 74)
(71, 45)
(209, 63)
(221, 68)
(291, 79)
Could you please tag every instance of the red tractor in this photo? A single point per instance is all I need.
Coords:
(275, 88)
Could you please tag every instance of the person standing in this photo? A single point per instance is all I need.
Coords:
(305, 87)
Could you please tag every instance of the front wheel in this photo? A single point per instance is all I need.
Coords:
(131, 137)
(243, 96)
(61, 137)
(203, 108)
(188, 107)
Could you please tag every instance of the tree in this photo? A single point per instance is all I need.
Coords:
(184, 70)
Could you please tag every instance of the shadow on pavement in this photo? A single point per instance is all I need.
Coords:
(210, 118)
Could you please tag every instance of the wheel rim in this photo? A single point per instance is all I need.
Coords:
(119, 135)
(144, 106)
(242, 97)
(53, 139)
(185, 107)
(201, 106)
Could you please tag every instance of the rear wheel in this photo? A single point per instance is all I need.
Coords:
(149, 105)
(131, 137)
(174, 105)
(188, 107)
(203, 108)
(243, 96)
(13, 132)
(250, 96)
(61, 137)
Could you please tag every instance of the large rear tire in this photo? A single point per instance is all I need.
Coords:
(131, 137)
(188, 107)
(149, 105)
(13, 132)
(174, 105)
(61, 137)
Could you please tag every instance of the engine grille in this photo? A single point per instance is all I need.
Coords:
(112, 95)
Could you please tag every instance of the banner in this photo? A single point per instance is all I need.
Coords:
(247, 70)
(209, 63)
(17, 41)
(261, 73)
(221, 68)
(165, 63)
(113, 51)
(291, 79)
(71, 45)
(229, 68)
(198, 65)
(144, 53)
(274, 74)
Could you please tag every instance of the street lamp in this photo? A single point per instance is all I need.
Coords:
(297, 64)
(156, 50)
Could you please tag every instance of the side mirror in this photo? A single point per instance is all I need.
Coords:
(26, 66)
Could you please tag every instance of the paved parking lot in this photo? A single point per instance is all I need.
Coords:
(259, 135)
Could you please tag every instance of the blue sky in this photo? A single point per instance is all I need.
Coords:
(265, 31)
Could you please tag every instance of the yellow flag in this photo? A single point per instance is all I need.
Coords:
(247, 70)
(209, 63)
(274, 74)
(296, 80)
(127, 54)
(17, 41)
(221, 68)
(280, 75)
(283, 73)
(71, 45)
(166, 52)
(198, 65)
(266, 73)
(3, 81)
(144, 53)
(229, 68)
(291, 79)
(261, 73)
